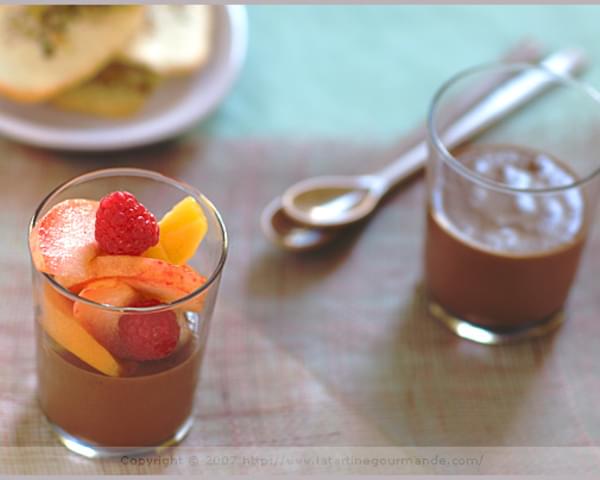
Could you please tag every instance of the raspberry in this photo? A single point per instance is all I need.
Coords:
(124, 226)
(149, 336)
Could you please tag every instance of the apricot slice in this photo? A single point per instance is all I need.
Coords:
(59, 323)
(181, 232)
(104, 324)
(63, 241)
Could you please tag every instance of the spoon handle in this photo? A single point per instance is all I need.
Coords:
(503, 100)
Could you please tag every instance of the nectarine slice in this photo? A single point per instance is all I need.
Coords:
(104, 324)
(181, 232)
(155, 278)
(63, 241)
(59, 323)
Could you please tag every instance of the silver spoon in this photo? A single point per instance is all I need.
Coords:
(335, 201)
(293, 236)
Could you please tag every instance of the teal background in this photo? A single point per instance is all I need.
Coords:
(368, 72)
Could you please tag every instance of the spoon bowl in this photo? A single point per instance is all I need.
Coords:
(290, 235)
(333, 201)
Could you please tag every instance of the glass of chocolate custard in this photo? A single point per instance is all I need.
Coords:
(508, 213)
(126, 270)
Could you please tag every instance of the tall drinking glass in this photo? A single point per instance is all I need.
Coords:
(508, 214)
(98, 403)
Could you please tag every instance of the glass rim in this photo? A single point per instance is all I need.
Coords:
(558, 79)
(144, 173)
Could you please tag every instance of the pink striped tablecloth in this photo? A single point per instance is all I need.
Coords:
(331, 349)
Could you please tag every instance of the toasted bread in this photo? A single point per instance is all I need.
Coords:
(118, 91)
(47, 49)
(175, 39)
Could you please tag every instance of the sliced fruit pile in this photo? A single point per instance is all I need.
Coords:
(115, 253)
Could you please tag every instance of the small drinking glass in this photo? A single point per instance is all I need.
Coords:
(99, 404)
(508, 214)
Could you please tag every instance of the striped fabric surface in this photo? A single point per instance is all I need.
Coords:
(330, 349)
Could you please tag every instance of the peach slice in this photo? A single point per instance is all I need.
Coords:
(104, 324)
(63, 241)
(59, 323)
(181, 232)
(154, 278)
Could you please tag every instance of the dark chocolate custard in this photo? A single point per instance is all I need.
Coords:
(144, 408)
(498, 259)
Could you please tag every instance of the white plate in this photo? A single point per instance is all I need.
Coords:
(175, 106)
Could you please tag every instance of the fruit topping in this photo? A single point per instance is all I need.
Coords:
(93, 248)
(124, 226)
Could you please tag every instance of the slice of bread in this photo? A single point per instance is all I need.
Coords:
(118, 91)
(175, 39)
(48, 48)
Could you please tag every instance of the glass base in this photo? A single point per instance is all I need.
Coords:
(90, 450)
(490, 335)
